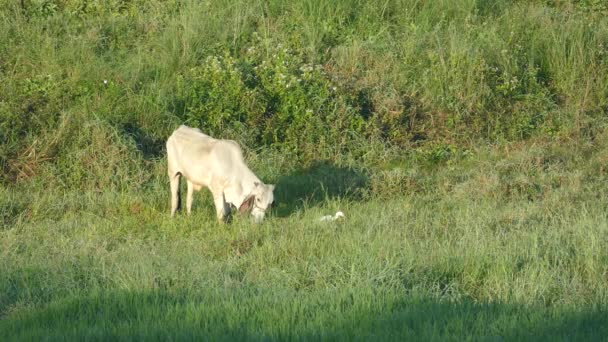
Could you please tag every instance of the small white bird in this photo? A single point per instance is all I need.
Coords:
(338, 215)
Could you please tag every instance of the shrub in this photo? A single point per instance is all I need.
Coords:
(277, 99)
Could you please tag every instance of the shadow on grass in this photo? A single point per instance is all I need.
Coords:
(321, 181)
(264, 314)
(149, 146)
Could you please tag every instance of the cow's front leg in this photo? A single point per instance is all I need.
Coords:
(221, 207)
(189, 196)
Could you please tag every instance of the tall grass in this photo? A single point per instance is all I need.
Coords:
(407, 72)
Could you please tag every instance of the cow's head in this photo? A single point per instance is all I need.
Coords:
(259, 201)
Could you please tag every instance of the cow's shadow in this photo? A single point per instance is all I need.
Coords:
(317, 183)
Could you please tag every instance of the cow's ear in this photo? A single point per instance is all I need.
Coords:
(247, 204)
(271, 187)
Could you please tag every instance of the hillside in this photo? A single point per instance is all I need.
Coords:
(465, 141)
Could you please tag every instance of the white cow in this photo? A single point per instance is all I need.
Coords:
(218, 165)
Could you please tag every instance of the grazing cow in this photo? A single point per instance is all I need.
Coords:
(218, 165)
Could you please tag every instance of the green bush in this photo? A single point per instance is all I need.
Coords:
(277, 100)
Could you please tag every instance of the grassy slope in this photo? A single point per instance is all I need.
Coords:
(445, 239)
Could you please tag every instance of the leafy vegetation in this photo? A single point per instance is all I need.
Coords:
(464, 140)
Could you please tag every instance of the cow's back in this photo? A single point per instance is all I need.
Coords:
(201, 158)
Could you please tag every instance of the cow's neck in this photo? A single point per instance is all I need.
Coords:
(247, 184)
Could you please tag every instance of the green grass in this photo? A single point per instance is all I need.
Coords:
(391, 270)
(462, 261)
(465, 141)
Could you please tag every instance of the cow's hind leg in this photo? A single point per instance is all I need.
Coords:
(174, 181)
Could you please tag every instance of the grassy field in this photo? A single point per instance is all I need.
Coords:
(465, 141)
